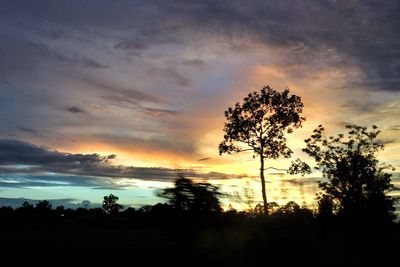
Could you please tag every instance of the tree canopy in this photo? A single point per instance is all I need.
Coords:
(193, 197)
(110, 204)
(356, 183)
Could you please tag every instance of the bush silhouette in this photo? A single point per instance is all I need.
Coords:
(192, 197)
(357, 185)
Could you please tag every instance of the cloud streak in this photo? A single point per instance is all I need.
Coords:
(75, 109)
(35, 163)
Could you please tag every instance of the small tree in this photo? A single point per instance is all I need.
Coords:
(110, 205)
(194, 197)
(26, 206)
(260, 124)
(356, 183)
(43, 206)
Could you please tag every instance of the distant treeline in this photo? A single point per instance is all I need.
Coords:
(162, 234)
(44, 213)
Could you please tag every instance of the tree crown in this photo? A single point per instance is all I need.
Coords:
(194, 197)
(260, 123)
(110, 204)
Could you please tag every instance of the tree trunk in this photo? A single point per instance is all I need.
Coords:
(264, 193)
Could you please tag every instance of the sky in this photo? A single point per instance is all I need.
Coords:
(121, 97)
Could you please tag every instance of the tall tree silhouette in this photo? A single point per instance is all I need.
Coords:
(356, 182)
(260, 125)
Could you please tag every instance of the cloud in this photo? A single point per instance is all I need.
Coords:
(24, 165)
(132, 47)
(134, 99)
(395, 128)
(118, 94)
(191, 58)
(172, 75)
(160, 112)
(44, 51)
(362, 33)
(28, 130)
(386, 141)
(75, 109)
(195, 62)
(19, 152)
(90, 62)
(24, 177)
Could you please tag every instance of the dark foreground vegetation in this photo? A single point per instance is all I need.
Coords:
(161, 234)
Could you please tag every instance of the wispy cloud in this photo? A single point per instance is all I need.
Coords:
(28, 130)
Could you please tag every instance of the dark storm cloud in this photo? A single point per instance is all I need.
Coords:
(18, 152)
(23, 165)
(30, 164)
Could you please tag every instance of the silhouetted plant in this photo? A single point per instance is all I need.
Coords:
(260, 124)
(26, 206)
(43, 206)
(60, 210)
(272, 207)
(325, 207)
(356, 184)
(110, 205)
(244, 197)
(194, 197)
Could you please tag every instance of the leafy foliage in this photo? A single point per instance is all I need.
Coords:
(193, 197)
(356, 183)
(260, 123)
(110, 205)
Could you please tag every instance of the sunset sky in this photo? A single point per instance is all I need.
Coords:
(121, 97)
